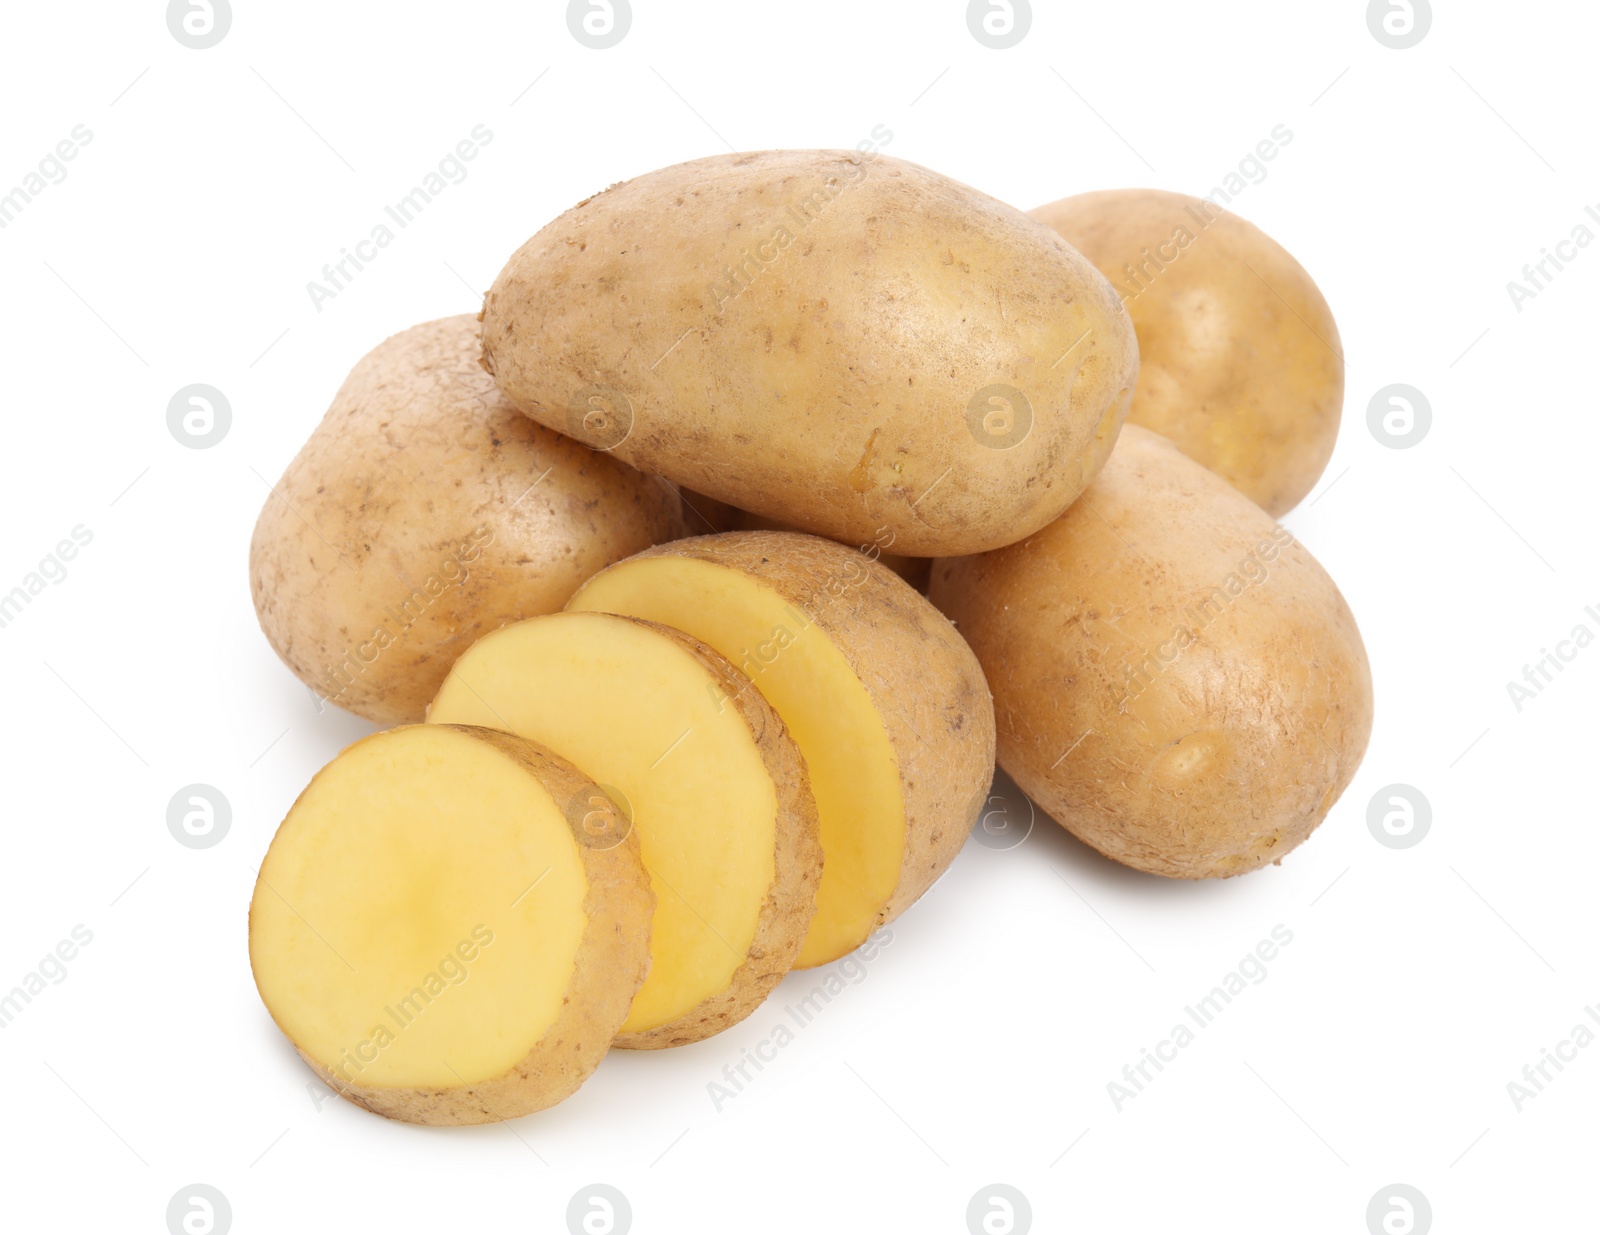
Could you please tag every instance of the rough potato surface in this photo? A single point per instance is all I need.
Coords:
(1240, 360)
(425, 511)
(1176, 680)
(853, 345)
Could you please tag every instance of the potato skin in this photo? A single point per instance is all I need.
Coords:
(925, 681)
(792, 900)
(812, 335)
(1241, 363)
(425, 511)
(1177, 681)
(612, 961)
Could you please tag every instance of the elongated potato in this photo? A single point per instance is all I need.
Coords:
(884, 700)
(425, 512)
(1176, 679)
(1240, 360)
(436, 933)
(718, 796)
(853, 345)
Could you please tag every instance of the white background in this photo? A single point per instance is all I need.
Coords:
(979, 1046)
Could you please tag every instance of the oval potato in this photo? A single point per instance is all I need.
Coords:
(1176, 680)
(1241, 364)
(425, 511)
(850, 344)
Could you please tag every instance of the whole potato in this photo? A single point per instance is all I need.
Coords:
(1175, 679)
(1241, 364)
(849, 344)
(425, 511)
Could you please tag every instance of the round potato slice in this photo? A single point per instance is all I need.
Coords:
(850, 344)
(708, 776)
(1177, 681)
(426, 511)
(437, 934)
(1240, 360)
(884, 700)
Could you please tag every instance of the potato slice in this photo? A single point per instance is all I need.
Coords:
(437, 935)
(717, 793)
(885, 700)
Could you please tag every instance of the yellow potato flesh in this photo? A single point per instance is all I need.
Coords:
(637, 713)
(803, 675)
(393, 933)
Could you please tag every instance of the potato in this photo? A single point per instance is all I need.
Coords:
(1176, 679)
(914, 570)
(424, 512)
(436, 933)
(1241, 364)
(885, 701)
(718, 795)
(853, 345)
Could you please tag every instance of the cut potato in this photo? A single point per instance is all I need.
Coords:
(438, 940)
(717, 794)
(885, 700)
(1177, 680)
(426, 511)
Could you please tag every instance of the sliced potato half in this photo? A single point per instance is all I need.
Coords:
(714, 786)
(441, 943)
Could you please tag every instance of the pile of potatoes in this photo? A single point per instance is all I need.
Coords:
(635, 564)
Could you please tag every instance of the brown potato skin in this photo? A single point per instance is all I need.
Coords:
(1225, 753)
(1241, 363)
(923, 678)
(612, 961)
(791, 902)
(413, 510)
(828, 388)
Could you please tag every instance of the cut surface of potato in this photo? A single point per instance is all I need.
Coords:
(717, 796)
(884, 700)
(436, 937)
